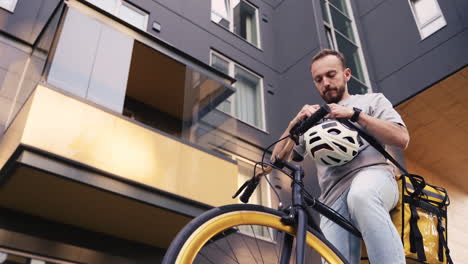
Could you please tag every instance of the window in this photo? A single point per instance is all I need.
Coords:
(428, 16)
(246, 103)
(341, 34)
(260, 196)
(124, 10)
(8, 256)
(238, 16)
(8, 5)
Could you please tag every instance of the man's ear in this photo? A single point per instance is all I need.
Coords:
(347, 73)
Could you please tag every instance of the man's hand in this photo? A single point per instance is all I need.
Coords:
(306, 111)
(339, 111)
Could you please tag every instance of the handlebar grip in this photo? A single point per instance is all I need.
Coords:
(252, 185)
(312, 120)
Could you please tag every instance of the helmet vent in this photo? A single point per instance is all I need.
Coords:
(319, 147)
(315, 139)
(334, 159)
(313, 133)
(334, 131)
(325, 162)
(350, 139)
(340, 146)
(354, 153)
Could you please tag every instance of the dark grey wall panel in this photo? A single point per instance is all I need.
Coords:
(296, 90)
(393, 43)
(28, 19)
(295, 33)
(427, 70)
(364, 6)
(462, 11)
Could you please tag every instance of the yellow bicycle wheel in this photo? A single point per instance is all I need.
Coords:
(240, 233)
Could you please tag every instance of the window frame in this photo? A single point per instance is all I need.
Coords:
(138, 10)
(130, 5)
(12, 6)
(425, 29)
(331, 31)
(230, 19)
(261, 100)
(263, 185)
(34, 258)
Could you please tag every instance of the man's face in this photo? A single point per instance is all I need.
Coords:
(330, 78)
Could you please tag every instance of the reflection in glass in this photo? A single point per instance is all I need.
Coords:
(258, 197)
(426, 10)
(220, 64)
(350, 51)
(342, 23)
(247, 98)
(356, 87)
(324, 11)
(328, 33)
(32, 63)
(245, 21)
(220, 12)
(107, 5)
(133, 15)
(223, 66)
(341, 5)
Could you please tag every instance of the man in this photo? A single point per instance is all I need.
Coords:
(363, 190)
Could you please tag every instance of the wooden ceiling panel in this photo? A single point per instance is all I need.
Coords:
(437, 120)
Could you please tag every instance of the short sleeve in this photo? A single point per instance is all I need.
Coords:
(381, 108)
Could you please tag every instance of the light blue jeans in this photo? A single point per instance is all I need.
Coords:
(373, 193)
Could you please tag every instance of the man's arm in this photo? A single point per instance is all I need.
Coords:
(283, 149)
(386, 132)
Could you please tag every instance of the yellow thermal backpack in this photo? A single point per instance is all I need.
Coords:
(421, 219)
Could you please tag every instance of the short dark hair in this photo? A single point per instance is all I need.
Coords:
(327, 52)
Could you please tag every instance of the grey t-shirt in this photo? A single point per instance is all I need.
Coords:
(333, 181)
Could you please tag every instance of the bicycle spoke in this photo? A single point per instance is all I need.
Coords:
(280, 246)
(215, 243)
(230, 247)
(256, 242)
(201, 254)
(248, 247)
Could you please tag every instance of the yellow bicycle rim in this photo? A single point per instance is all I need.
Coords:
(222, 222)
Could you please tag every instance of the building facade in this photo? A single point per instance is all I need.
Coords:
(122, 120)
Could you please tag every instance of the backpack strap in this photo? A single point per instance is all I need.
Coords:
(442, 242)
(416, 239)
(418, 186)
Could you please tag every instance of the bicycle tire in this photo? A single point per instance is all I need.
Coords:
(207, 227)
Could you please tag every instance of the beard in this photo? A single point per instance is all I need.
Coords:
(333, 95)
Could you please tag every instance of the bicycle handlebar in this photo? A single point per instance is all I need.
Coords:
(297, 130)
(301, 127)
(251, 186)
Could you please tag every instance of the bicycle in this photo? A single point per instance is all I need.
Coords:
(220, 229)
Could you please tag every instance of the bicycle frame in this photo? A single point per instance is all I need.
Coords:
(297, 213)
(298, 216)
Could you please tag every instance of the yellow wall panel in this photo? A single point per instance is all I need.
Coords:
(78, 131)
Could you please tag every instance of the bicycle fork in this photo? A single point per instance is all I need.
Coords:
(297, 217)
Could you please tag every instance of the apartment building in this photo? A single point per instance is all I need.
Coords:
(122, 120)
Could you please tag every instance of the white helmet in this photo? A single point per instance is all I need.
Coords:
(331, 143)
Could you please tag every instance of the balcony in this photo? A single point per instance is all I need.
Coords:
(109, 122)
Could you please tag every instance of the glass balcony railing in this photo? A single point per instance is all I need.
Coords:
(97, 58)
